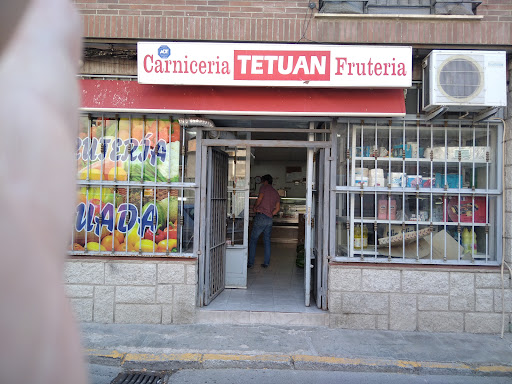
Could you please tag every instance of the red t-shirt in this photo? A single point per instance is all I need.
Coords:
(269, 200)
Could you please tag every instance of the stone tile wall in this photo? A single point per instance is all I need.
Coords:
(140, 292)
(431, 300)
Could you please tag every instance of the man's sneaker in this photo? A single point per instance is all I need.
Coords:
(264, 265)
(249, 266)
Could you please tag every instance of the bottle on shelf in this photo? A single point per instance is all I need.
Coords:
(469, 241)
(360, 237)
(466, 241)
(473, 233)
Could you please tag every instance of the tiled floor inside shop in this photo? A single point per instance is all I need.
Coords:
(278, 288)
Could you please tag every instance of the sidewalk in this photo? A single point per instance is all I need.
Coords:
(166, 347)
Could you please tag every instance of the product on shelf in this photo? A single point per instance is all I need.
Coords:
(427, 182)
(452, 153)
(469, 241)
(396, 179)
(376, 178)
(360, 237)
(409, 235)
(468, 211)
(413, 181)
(386, 209)
(453, 180)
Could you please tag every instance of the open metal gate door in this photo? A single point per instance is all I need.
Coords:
(317, 224)
(320, 227)
(215, 224)
(308, 236)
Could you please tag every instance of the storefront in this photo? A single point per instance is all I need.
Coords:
(402, 211)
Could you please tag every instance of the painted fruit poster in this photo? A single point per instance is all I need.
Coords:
(124, 169)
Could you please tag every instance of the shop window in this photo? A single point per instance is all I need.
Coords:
(133, 192)
(418, 192)
(413, 7)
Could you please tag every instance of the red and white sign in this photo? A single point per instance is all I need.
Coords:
(279, 65)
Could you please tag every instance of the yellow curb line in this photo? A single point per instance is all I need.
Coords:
(101, 353)
(151, 357)
(494, 368)
(381, 362)
(229, 357)
(202, 357)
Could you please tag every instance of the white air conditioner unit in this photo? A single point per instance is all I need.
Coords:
(464, 81)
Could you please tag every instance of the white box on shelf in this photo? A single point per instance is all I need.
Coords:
(452, 153)
(361, 180)
(361, 172)
(396, 179)
(377, 173)
(377, 181)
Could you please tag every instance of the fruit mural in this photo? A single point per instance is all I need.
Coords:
(124, 203)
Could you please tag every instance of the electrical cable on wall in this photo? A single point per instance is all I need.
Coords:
(503, 262)
(307, 21)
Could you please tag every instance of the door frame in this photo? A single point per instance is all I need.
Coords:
(311, 145)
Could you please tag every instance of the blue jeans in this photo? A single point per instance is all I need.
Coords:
(261, 223)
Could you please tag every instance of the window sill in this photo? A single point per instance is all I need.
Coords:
(493, 266)
(125, 256)
(336, 16)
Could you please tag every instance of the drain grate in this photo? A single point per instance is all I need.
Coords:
(139, 378)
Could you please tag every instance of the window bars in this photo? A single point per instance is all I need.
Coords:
(409, 7)
(419, 192)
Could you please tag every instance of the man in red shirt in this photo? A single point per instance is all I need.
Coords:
(267, 205)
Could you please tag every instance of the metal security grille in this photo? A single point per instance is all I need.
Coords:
(216, 219)
(139, 378)
(418, 7)
(419, 192)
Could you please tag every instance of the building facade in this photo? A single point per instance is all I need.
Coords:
(403, 182)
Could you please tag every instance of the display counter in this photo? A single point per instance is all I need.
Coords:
(286, 223)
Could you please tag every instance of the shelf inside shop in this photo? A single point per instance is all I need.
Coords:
(357, 220)
(420, 160)
(367, 252)
(370, 221)
(392, 222)
(422, 190)
(371, 252)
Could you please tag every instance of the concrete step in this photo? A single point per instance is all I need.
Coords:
(205, 316)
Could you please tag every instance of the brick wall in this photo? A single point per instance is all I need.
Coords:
(496, 10)
(140, 292)
(417, 300)
(281, 21)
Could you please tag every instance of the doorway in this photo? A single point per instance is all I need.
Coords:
(287, 284)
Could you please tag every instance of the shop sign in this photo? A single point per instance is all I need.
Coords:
(281, 65)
